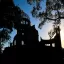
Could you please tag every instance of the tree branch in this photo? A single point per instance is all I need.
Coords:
(54, 19)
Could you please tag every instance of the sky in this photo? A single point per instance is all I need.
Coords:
(43, 33)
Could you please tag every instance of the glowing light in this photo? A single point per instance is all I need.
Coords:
(62, 33)
(62, 38)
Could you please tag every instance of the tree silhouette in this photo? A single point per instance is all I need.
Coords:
(36, 6)
(4, 37)
(53, 12)
(10, 16)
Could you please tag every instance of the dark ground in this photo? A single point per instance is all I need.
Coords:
(31, 54)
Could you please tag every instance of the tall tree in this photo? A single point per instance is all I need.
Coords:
(10, 15)
(54, 11)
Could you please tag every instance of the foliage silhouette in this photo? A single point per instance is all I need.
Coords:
(47, 15)
(10, 16)
(4, 37)
(53, 12)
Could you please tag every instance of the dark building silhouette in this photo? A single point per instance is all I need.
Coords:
(54, 42)
(53, 46)
(26, 34)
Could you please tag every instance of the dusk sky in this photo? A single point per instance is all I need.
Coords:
(45, 29)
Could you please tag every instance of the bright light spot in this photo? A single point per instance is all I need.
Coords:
(62, 38)
(62, 33)
(53, 44)
(22, 42)
(47, 44)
